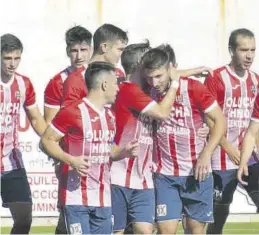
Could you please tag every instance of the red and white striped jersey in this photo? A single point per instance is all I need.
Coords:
(255, 114)
(236, 97)
(53, 95)
(75, 87)
(177, 144)
(89, 132)
(14, 95)
(255, 118)
(131, 123)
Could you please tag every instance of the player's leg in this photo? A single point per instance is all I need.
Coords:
(128, 229)
(141, 210)
(225, 183)
(61, 226)
(197, 199)
(77, 219)
(16, 195)
(253, 184)
(168, 203)
(22, 217)
(119, 196)
(101, 220)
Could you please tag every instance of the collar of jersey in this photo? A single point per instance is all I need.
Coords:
(9, 83)
(93, 107)
(235, 75)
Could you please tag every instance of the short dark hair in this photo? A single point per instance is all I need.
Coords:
(77, 35)
(232, 43)
(170, 51)
(94, 70)
(155, 59)
(10, 43)
(108, 32)
(132, 55)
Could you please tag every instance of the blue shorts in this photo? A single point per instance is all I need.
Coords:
(88, 219)
(183, 195)
(15, 187)
(132, 206)
(225, 184)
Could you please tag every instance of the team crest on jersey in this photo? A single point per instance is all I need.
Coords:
(18, 95)
(253, 89)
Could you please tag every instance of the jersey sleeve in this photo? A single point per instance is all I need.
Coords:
(255, 114)
(211, 84)
(53, 94)
(134, 98)
(204, 99)
(62, 121)
(74, 89)
(30, 97)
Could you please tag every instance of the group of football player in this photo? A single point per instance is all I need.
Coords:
(137, 149)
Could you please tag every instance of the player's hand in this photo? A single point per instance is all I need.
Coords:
(234, 156)
(242, 171)
(81, 164)
(202, 167)
(132, 148)
(173, 73)
(203, 131)
(202, 71)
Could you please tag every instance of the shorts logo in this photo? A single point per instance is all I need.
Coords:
(161, 210)
(209, 214)
(217, 195)
(75, 228)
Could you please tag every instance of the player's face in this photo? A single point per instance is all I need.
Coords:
(158, 79)
(114, 50)
(9, 62)
(111, 87)
(244, 54)
(79, 54)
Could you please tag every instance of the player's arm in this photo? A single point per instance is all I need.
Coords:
(50, 113)
(203, 131)
(207, 103)
(194, 72)
(233, 153)
(50, 143)
(218, 130)
(32, 111)
(216, 133)
(248, 145)
(140, 101)
(162, 109)
(129, 150)
(212, 83)
(37, 121)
